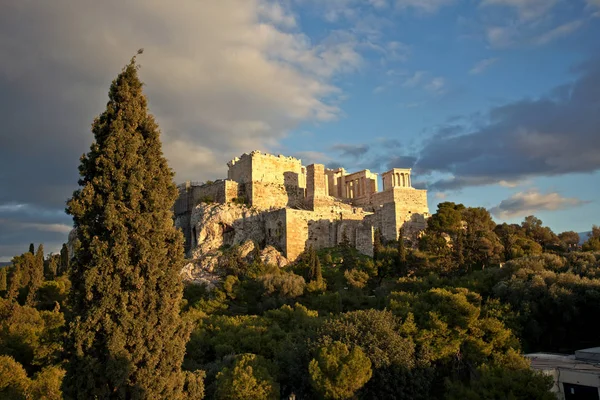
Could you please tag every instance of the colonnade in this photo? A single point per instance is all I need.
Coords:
(401, 179)
(355, 187)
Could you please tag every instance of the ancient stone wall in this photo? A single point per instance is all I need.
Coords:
(385, 219)
(365, 238)
(240, 169)
(319, 229)
(268, 181)
(282, 170)
(268, 195)
(410, 201)
(317, 193)
(231, 190)
(221, 191)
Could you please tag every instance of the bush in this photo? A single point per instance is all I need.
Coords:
(248, 379)
(337, 372)
(287, 285)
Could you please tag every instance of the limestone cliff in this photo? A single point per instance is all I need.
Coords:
(216, 227)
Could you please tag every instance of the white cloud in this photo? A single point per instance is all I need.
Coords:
(535, 23)
(397, 51)
(379, 3)
(594, 4)
(274, 12)
(415, 79)
(437, 85)
(482, 65)
(526, 9)
(502, 36)
(58, 228)
(426, 6)
(558, 32)
(222, 76)
(509, 184)
(530, 202)
(39, 226)
(12, 207)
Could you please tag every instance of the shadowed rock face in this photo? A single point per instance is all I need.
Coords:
(217, 225)
(205, 268)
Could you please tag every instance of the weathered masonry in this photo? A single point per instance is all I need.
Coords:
(294, 206)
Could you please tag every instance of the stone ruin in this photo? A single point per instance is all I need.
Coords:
(285, 207)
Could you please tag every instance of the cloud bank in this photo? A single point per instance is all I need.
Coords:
(556, 134)
(531, 202)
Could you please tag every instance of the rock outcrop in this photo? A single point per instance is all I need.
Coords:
(218, 225)
(216, 228)
(270, 255)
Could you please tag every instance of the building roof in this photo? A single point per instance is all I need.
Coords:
(591, 355)
(546, 361)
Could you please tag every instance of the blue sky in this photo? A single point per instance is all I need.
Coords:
(493, 103)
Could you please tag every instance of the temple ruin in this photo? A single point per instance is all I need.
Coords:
(291, 207)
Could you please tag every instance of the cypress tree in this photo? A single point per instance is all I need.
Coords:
(377, 244)
(126, 336)
(64, 259)
(314, 266)
(31, 248)
(318, 273)
(36, 275)
(401, 256)
(52, 266)
(312, 256)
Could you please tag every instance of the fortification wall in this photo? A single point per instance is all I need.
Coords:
(365, 237)
(267, 195)
(410, 201)
(267, 181)
(281, 170)
(240, 169)
(319, 229)
(384, 218)
(221, 191)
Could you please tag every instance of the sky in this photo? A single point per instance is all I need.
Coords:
(493, 103)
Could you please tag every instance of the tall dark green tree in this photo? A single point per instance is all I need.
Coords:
(126, 337)
(377, 244)
(31, 248)
(314, 266)
(36, 275)
(64, 259)
(401, 256)
(51, 266)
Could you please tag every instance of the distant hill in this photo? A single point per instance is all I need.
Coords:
(583, 237)
(4, 263)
